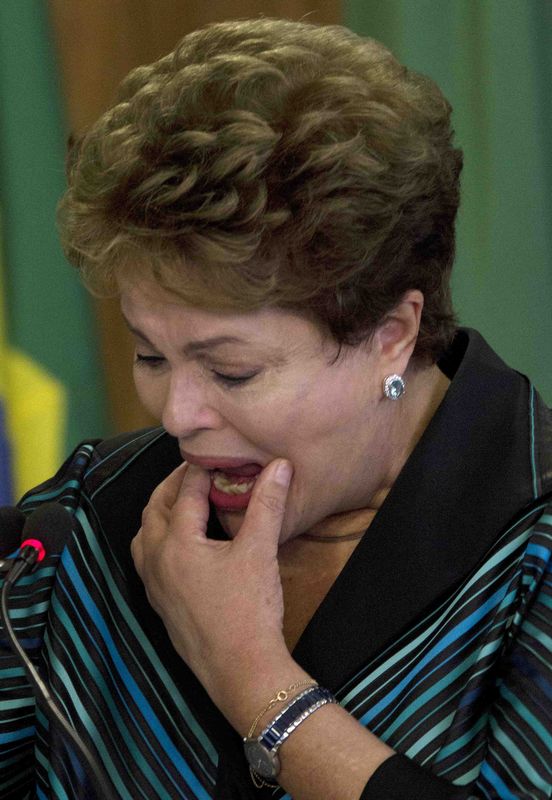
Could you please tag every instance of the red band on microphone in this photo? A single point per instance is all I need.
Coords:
(37, 545)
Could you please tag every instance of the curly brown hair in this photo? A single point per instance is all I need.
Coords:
(274, 163)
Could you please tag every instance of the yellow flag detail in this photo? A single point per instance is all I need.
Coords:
(36, 410)
(35, 405)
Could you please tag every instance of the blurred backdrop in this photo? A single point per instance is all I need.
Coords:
(65, 358)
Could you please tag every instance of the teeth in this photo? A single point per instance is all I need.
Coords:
(224, 484)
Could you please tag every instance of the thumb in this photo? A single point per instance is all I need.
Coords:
(265, 513)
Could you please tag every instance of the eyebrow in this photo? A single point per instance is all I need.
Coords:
(192, 348)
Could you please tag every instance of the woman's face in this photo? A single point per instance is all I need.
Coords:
(238, 390)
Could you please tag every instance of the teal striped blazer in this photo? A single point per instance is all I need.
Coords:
(437, 635)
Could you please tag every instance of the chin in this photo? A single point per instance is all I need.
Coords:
(232, 521)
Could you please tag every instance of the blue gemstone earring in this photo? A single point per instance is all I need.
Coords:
(394, 387)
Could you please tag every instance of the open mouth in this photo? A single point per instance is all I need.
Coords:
(231, 491)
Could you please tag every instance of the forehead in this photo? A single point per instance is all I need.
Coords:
(151, 311)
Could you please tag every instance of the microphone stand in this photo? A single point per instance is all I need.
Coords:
(42, 693)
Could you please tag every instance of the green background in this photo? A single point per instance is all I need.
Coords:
(49, 316)
(493, 60)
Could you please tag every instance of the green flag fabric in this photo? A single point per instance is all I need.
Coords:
(52, 389)
(493, 60)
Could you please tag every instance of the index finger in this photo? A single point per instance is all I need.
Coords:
(156, 514)
(164, 496)
(191, 508)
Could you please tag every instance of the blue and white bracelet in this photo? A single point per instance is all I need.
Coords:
(261, 751)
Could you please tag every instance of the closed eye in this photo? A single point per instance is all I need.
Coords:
(233, 380)
(230, 381)
(148, 361)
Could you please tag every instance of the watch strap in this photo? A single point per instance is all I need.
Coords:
(278, 730)
(293, 714)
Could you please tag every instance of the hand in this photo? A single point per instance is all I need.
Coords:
(221, 601)
(222, 605)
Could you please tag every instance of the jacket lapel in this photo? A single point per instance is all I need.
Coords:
(467, 478)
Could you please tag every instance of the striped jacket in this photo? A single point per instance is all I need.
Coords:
(437, 635)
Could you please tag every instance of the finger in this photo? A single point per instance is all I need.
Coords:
(265, 513)
(137, 552)
(190, 511)
(165, 494)
(156, 514)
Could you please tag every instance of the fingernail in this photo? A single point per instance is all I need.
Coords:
(283, 473)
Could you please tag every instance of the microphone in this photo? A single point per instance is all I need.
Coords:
(51, 524)
(45, 533)
(12, 521)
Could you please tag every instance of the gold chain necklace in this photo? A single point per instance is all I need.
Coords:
(347, 537)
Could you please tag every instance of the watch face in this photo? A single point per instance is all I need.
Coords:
(263, 761)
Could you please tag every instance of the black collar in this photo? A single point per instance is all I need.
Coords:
(468, 477)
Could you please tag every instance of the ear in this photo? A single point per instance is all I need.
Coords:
(395, 338)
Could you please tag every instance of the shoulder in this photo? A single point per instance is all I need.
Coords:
(541, 443)
(513, 423)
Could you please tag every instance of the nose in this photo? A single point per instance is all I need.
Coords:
(187, 409)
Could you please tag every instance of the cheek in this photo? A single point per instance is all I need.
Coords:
(151, 391)
(319, 420)
(298, 432)
(322, 437)
(302, 425)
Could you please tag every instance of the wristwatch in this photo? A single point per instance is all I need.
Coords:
(261, 752)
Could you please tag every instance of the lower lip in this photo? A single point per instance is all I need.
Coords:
(229, 502)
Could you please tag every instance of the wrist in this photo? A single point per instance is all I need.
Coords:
(262, 749)
(243, 695)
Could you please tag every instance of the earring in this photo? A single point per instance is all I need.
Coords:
(394, 387)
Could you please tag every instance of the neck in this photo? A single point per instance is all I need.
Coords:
(347, 526)
(426, 390)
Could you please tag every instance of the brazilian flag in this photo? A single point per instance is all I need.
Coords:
(50, 387)
(6, 466)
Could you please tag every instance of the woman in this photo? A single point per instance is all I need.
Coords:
(362, 509)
